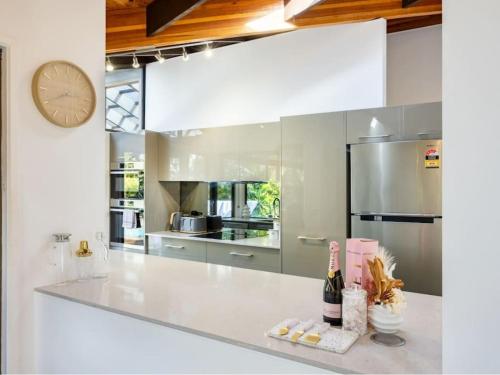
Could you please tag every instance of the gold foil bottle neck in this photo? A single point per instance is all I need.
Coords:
(84, 250)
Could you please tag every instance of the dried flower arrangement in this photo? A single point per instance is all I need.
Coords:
(386, 290)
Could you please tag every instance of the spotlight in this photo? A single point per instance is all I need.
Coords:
(185, 55)
(135, 62)
(159, 57)
(109, 65)
(208, 51)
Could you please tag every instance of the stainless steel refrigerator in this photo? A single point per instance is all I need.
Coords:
(396, 199)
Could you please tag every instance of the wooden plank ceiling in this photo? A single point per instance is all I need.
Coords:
(224, 19)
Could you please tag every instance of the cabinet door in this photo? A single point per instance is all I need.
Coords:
(182, 156)
(423, 121)
(374, 125)
(257, 258)
(180, 249)
(313, 191)
(222, 154)
(126, 147)
(259, 152)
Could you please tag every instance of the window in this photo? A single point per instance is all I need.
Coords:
(124, 100)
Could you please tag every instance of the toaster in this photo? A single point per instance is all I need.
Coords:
(193, 224)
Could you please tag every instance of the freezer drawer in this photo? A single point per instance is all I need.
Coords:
(396, 177)
(416, 247)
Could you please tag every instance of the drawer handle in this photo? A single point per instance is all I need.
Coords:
(423, 134)
(248, 255)
(174, 247)
(375, 136)
(306, 238)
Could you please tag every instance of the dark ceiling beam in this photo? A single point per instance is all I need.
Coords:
(407, 3)
(161, 13)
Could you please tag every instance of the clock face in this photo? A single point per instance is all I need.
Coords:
(63, 94)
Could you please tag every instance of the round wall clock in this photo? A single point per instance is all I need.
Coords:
(63, 94)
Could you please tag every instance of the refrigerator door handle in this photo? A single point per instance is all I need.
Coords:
(424, 219)
(364, 213)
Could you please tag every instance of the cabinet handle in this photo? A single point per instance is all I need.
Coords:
(174, 247)
(306, 238)
(422, 134)
(248, 255)
(375, 136)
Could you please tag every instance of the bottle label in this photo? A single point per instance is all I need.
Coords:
(334, 256)
(332, 310)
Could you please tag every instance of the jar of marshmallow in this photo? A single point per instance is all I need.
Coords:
(354, 309)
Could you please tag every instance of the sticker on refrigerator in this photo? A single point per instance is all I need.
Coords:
(432, 158)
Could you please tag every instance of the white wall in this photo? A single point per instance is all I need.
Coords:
(55, 177)
(471, 200)
(307, 71)
(414, 66)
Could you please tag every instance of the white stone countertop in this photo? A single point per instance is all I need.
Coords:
(267, 241)
(240, 305)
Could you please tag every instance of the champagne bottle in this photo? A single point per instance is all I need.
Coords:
(332, 291)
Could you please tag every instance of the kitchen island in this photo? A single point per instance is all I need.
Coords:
(214, 317)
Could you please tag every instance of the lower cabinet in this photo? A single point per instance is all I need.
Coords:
(180, 249)
(257, 258)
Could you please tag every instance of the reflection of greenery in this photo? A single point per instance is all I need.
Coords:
(264, 193)
(133, 184)
(224, 191)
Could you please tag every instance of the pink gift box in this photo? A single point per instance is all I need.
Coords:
(358, 252)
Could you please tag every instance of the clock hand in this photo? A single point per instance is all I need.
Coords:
(59, 97)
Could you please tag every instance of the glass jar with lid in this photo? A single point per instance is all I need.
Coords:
(354, 309)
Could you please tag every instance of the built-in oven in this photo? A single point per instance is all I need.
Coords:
(127, 181)
(127, 234)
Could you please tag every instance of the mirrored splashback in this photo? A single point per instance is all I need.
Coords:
(258, 200)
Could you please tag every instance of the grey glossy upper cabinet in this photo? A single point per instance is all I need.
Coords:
(126, 147)
(259, 152)
(422, 121)
(182, 155)
(232, 153)
(410, 122)
(374, 125)
(313, 191)
(222, 154)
